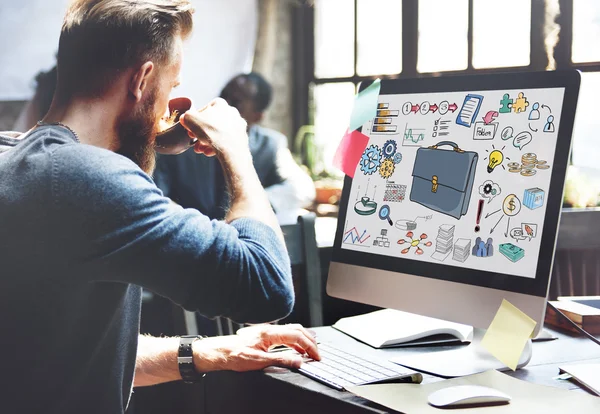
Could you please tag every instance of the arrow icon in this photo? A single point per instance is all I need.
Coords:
(546, 106)
(534, 130)
(452, 107)
(415, 108)
(495, 225)
(507, 227)
(490, 117)
(492, 213)
(433, 108)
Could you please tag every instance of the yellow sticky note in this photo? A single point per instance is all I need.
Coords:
(508, 333)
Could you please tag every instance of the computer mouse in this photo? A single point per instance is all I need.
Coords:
(462, 395)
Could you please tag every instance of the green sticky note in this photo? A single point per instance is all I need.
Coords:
(508, 333)
(365, 105)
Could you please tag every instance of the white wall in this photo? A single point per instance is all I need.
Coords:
(221, 46)
(29, 30)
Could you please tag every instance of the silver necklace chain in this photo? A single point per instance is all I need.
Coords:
(42, 123)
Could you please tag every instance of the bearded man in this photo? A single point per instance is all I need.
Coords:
(83, 227)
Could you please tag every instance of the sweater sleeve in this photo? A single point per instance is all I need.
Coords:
(120, 228)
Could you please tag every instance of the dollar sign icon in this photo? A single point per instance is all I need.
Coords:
(511, 205)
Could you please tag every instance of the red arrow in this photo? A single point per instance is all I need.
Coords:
(433, 108)
(452, 107)
(490, 117)
(415, 108)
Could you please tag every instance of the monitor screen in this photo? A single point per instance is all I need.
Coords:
(457, 178)
(462, 180)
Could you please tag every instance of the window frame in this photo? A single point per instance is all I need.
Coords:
(304, 47)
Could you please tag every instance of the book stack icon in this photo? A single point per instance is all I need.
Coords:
(534, 198)
(443, 242)
(462, 248)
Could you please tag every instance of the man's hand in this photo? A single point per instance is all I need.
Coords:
(221, 131)
(249, 350)
(219, 128)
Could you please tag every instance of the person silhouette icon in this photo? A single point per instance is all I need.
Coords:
(481, 250)
(549, 127)
(534, 115)
(489, 248)
(476, 246)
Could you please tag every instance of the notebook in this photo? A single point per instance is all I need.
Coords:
(392, 328)
(586, 374)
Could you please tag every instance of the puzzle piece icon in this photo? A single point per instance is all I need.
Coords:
(506, 103)
(520, 103)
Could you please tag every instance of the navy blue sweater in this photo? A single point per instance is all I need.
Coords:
(82, 229)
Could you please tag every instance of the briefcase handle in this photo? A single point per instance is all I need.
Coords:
(450, 143)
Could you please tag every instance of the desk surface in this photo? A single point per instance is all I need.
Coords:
(279, 390)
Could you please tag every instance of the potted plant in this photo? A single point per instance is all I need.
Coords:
(328, 181)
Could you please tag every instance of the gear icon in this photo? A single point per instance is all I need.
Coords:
(369, 161)
(487, 189)
(397, 158)
(389, 148)
(387, 168)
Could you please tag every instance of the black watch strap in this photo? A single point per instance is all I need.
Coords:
(185, 359)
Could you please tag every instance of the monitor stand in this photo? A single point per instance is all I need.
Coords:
(465, 360)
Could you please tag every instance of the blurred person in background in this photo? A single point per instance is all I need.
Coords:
(196, 181)
(38, 106)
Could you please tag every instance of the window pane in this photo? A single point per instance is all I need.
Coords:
(440, 21)
(586, 145)
(501, 33)
(379, 37)
(332, 108)
(334, 38)
(586, 30)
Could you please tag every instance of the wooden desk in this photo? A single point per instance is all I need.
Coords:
(283, 391)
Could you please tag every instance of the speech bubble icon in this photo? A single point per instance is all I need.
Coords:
(517, 234)
(489, 190)
(522, 139)
(507, 133)
(529, 230)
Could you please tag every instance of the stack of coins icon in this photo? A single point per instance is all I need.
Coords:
(529, 165)
(529, 161)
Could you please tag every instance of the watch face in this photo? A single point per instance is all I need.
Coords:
(185, 359)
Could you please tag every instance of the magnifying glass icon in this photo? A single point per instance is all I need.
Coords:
(384, 214)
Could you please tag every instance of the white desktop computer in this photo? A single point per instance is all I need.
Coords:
(455, 203)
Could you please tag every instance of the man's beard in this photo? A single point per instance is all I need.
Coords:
(137, 134)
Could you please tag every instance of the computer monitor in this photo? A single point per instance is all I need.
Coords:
(456, 200)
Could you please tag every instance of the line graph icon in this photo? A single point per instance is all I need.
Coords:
(413, 137)
(356, 238)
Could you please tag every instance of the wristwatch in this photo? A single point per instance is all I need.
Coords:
(185, 359)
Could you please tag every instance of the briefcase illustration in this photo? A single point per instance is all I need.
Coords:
(443, 178)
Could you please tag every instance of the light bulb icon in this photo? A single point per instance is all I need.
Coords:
(496, 158)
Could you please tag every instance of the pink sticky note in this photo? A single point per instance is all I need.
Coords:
(350, 150)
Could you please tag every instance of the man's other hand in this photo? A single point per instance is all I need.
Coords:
(249, 350)
(219, 128)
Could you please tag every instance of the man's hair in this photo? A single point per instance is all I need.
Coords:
(264, 91)
(255, 86)
(100, 38)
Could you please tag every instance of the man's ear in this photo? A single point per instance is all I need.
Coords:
(139, 80)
